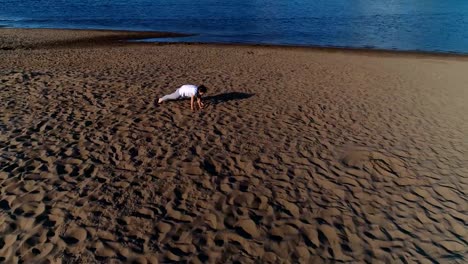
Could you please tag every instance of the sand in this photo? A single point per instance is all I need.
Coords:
(301, 155)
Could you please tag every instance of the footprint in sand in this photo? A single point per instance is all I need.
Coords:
(74, 236)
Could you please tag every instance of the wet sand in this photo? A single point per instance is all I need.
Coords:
(301, 155)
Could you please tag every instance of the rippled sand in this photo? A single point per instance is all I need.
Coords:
(301, 155)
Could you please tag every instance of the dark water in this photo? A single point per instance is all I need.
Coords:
(424, 25)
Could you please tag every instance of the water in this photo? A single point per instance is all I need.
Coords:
(422, 25)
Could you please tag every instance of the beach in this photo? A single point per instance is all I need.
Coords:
(300, 154)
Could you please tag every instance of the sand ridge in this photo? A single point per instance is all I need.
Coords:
(21, 38)
(300, 156)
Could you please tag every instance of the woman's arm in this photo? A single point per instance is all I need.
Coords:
(191, 102)
(200, 103)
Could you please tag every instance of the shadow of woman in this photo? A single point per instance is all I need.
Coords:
(226, 97)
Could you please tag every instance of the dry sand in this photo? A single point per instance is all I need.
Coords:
(301, 155)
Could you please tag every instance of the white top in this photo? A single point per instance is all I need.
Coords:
(188, 90)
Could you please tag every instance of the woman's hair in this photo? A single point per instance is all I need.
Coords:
(202, 89)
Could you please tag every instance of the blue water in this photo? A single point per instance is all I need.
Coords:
(424, 25)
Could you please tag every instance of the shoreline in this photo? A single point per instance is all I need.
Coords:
(129, 37)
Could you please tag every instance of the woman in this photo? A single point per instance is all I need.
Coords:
(187, 91)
